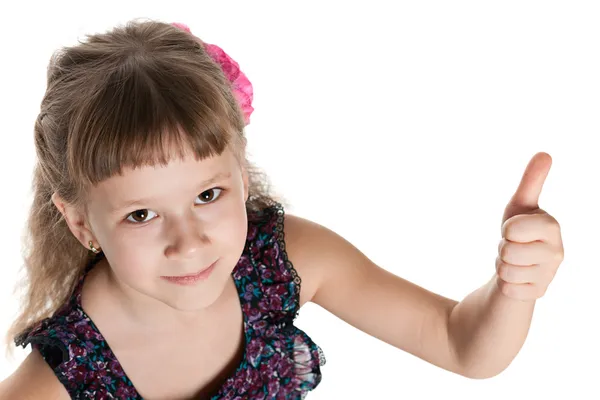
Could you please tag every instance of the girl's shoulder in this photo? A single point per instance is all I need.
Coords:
(33, 379)
(297, 233)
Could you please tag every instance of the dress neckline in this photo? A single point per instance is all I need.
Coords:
(76, 302)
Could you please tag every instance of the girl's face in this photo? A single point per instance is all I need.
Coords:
(157, 222)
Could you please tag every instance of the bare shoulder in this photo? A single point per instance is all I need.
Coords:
(33, 380)
(300, 236)
(332, 269)
(324, 258)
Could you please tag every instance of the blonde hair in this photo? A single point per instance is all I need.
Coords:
(116, 100)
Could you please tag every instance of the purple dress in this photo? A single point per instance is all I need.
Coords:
(280, 361)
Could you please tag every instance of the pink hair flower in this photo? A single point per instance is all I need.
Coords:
(241, 86)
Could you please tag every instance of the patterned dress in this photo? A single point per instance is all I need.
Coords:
(279, 360)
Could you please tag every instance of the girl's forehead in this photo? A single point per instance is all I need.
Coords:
(176, 164)
(151, 181)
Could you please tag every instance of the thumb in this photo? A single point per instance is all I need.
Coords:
(527, 195)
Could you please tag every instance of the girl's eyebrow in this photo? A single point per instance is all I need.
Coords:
(146, 200)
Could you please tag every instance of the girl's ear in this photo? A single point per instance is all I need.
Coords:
(75, 220)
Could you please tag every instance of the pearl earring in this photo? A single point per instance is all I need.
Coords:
(95, 250)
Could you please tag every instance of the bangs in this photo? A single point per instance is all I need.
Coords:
(146, 112)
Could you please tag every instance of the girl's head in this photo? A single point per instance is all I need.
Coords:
(138, 114)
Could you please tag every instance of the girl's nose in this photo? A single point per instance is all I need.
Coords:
(186, 239)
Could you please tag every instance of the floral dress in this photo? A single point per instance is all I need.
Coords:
(279, 360)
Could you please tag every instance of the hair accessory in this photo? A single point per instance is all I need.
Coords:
(242, 88)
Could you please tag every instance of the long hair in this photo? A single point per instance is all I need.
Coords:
(118, 99)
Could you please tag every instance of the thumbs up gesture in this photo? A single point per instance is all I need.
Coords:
(531, 249)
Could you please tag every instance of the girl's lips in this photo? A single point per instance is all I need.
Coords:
(192, 278)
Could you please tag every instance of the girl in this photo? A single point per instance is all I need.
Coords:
(160, 266)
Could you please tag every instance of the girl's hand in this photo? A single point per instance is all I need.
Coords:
(531, 249)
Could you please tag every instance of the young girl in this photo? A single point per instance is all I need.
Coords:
(160, 266)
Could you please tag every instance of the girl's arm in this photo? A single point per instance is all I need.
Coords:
(488, 329)
(476, 338)
(33, 380)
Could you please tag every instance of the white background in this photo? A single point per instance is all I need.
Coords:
(404, 128)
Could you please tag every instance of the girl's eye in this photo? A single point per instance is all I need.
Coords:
(140, 216)
(210, 195)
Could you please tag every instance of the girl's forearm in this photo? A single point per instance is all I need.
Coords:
(487, 330)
